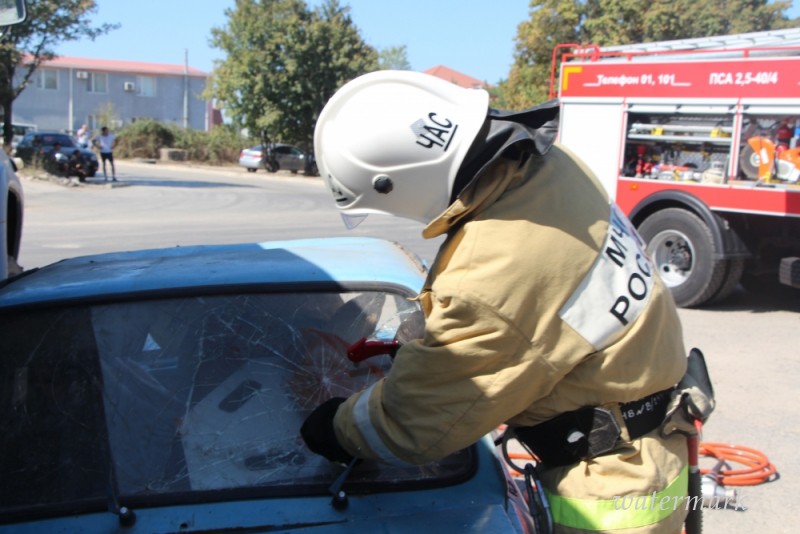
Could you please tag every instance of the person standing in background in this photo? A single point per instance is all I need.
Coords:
(106, 142)
(83, 136)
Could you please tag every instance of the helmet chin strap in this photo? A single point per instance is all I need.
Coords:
(503, 131)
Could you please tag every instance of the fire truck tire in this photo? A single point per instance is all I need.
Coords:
(682, 248)
(733, 275)
(748, 162)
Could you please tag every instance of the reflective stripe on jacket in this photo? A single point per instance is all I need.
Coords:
(622, 511)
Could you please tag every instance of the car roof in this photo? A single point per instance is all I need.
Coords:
(274, 145)
(43, 134)
(293, 265)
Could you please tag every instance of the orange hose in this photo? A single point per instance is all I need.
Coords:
(758, 467)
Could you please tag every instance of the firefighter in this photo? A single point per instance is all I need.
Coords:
(542, 309)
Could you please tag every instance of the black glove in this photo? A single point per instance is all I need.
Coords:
(317, 431)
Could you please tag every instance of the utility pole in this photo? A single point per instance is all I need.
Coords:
(70, 106)
(186, 88)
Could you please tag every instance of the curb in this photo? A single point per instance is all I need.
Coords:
(70, 182)
(232, 169)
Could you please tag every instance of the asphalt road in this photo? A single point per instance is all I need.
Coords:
(163, 206)
(750, 341)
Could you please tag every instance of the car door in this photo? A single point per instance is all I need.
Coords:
(24, 149)
(289, 158)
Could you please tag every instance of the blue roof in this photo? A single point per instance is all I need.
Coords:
(346, 260)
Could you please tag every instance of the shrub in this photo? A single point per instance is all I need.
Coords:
(144, 138)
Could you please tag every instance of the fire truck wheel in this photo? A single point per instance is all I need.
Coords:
(681, 246)
(748, 163)
(733, 275)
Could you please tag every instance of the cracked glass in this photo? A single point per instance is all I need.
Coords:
(186, 395)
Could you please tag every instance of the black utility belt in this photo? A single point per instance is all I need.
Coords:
(592, 431)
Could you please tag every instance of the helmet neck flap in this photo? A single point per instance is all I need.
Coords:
(508, 134)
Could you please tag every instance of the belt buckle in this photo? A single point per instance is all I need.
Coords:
(604, 433)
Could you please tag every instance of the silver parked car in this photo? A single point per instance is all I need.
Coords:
(282, 156)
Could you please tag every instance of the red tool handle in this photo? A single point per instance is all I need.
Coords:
(364, 349)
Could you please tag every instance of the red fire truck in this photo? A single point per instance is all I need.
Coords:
(698, 142)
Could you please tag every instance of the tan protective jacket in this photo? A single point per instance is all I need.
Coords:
(539, 302)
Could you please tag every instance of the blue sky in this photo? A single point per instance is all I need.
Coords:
(472, 36)
(475, 37)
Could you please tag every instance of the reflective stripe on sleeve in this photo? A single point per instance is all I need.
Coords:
(365, 426)
(623, 512)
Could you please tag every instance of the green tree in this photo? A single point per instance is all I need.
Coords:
(336, 54)
(283, 62)
(620, 22)
(26, 45)
(552, 22)
(393, 58)
(106, 115)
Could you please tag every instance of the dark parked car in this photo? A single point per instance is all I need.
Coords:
(286, 157)
(38, 147)
(164, 390)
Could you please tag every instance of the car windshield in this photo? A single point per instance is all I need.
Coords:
(143, 401)
(51, 139)
(20, 129)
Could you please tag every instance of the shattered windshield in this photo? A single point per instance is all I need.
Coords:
(185, 395)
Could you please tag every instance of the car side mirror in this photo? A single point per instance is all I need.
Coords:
(11, 13)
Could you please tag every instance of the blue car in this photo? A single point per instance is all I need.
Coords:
(163, 391)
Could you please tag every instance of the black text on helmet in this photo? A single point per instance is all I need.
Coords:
(435, 132)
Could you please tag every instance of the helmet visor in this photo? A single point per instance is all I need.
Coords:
(351, 221)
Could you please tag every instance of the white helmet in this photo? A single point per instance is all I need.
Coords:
(393, 141)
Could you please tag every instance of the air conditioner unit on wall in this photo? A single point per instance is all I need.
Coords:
(129, 86)
(82, 75)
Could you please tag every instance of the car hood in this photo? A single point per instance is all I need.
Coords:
(69, 150)
(478, 505)
(267, 517)
(477, 519)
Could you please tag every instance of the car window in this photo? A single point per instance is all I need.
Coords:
(181, 396)
(22, 129)
(282, 150)
(52, 139)
(54, 439)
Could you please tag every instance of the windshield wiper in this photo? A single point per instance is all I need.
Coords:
(339, 500)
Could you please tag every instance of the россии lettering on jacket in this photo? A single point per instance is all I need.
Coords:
(615, 290)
